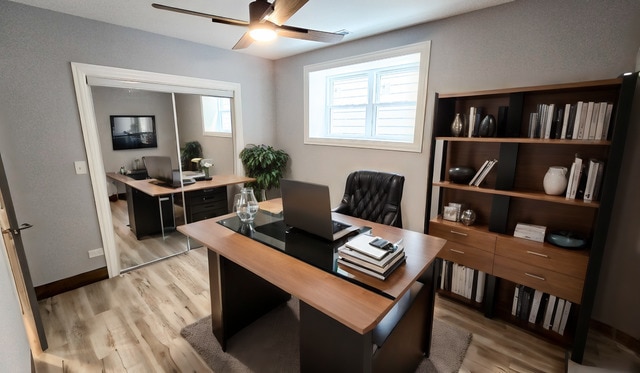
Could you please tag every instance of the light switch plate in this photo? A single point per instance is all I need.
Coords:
(81, 167)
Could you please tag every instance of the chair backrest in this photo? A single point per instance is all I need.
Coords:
(373, 196)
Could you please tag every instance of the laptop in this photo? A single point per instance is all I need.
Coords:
(159, 168)
(307, 206)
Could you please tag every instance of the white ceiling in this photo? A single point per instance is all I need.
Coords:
(360, 18)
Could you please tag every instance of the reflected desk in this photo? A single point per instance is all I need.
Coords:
(343, 313)
(150, 205)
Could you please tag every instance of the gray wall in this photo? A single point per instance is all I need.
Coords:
(518, 44)
(41, 136)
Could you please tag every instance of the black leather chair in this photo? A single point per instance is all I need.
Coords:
(373, 196)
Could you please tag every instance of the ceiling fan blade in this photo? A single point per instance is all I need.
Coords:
(214, 18)
(284, 9)
(313, 35)
(244, 41)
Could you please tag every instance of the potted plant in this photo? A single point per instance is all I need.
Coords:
(191, 150)
(266, 165)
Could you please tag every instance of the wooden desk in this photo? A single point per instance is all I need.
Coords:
(151, 205)
(338, 318)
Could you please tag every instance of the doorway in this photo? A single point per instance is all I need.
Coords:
(87, 77)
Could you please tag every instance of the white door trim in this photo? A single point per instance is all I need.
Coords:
(134, 79)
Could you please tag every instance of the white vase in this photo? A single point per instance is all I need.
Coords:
(555, 180)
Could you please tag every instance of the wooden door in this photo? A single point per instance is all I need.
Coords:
(11, 234)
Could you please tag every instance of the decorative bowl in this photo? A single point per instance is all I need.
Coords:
(567, 240)
(461, 174)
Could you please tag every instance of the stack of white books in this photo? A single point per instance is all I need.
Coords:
(359, 254)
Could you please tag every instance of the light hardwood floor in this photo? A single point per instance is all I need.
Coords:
(133, 252)
(132, 323)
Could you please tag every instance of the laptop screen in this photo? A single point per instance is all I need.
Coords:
(307, 206)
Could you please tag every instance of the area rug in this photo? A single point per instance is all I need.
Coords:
(271, 345)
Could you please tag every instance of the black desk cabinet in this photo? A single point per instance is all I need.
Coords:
(144, 213)
(206, 203)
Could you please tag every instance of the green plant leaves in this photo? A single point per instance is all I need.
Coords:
(265, 164)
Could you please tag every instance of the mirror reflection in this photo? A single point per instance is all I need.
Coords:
(192, 139)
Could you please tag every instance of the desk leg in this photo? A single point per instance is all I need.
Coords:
(326, 345)
(238, 297)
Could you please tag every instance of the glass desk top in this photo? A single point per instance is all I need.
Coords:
(270, 229)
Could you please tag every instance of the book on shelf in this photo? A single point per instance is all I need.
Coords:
(558, 120)
(482, 173)
(574, 178)
(462, 280)
(549, 311)
(539, 308)
(535, 306)
(594, 177)
(557, 316)
(565, 315)
(568, 126)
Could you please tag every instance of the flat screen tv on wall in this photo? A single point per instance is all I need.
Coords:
(133, 131)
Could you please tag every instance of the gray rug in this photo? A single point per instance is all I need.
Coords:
(271, 345)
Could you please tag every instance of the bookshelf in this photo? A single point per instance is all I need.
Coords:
(513, 193)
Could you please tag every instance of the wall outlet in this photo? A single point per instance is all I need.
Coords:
(96, 252)
(81, 167)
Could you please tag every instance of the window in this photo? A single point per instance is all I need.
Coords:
(374, 101)
(216, 116)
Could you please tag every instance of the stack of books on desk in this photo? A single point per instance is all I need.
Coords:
(379, 263)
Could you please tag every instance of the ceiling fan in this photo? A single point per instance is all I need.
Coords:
(266, 21)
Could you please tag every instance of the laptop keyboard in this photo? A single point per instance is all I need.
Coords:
(337, 226)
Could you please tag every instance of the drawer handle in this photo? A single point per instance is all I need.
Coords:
(459, 233)
(538, 254)
(535, 276)
(457, 251)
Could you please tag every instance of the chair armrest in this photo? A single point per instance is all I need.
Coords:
(343, 208)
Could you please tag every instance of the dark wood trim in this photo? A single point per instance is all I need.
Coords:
(616, 335)
(71, 283)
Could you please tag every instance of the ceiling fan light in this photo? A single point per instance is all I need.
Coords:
(262, 32)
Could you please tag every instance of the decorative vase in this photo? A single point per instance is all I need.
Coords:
(468, 217)
(487, 126)
(206, 171)
(555, 180)
(246, 205)
(461, 175)
(457, 127)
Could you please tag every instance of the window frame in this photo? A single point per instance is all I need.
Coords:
(422, 48)
(202, 116)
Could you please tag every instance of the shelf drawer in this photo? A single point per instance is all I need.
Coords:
(571, 263)
(207, 214)
(548, 281)
(456, 232)
(209, 205)
(468, 256)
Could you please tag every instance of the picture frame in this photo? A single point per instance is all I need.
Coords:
(450, 213)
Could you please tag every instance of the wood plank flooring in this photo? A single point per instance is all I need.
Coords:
(133, 252)
(132, 323)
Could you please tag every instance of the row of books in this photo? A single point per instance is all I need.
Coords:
(461, 280)
(582, 121)
(359, 254)
(536, 307)
(483, 172)
(585, 179)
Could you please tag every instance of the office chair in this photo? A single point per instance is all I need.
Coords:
(373, 196)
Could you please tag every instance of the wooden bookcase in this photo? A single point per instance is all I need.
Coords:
(513, 193)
